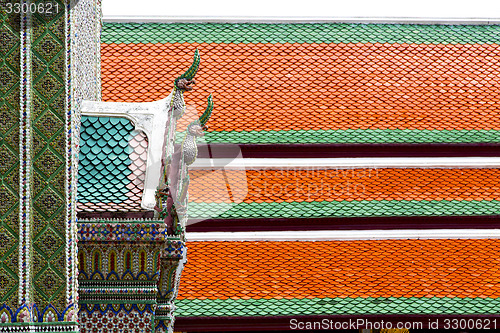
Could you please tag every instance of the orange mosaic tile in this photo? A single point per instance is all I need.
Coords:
(338, 185)
(381, 268)
(264, 87)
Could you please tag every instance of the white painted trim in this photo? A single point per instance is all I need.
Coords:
(271, 19)
(335, 235)
(344, 163)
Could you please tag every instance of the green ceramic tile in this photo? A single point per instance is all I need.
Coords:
(298, 33)
(335, 306)
(343, 209)
(104, 160)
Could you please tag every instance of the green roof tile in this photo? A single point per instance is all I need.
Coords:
(102, 176)
(335, 306)
(351, 136)
(298, 33)
(343, 209)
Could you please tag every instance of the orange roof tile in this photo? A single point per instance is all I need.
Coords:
(338, 185)
(382, 268)
(264, 87)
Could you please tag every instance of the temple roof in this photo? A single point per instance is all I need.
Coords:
(340, 277)
(292, 193)
(318, 83)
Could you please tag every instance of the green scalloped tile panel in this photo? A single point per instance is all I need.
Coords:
(351, 136)
(298, 33)
(343, 209)
(334, 306)
(104, 160)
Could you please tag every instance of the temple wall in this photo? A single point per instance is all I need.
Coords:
(49, 64)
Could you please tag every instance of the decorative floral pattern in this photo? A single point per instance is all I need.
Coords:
(115, 231)
(128, 318)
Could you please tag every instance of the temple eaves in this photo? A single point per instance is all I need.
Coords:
(341, 235)
(343, 163)
(272, 19)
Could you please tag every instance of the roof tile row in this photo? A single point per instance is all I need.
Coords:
(342, 269)
(298, 185)
(266, 87)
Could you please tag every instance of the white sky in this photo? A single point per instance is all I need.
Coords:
(306, 8)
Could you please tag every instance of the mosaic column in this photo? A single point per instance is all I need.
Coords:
(49, 64)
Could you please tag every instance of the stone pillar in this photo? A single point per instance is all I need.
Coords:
(50, 56)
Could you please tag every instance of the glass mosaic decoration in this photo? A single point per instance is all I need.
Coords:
(50, 62)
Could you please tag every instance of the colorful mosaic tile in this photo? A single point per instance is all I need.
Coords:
(38, 110)
(125, 319)
(9, 159)
(131, 231)
(49, 49)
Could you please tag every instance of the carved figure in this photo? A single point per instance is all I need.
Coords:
(184, 83)
(194, 131)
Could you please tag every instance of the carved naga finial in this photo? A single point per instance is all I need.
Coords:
(169, 202)
(194, 131)
(183, 83)
(167, 207)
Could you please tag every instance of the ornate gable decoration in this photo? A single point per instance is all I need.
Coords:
(131, 268)
(158, 121)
